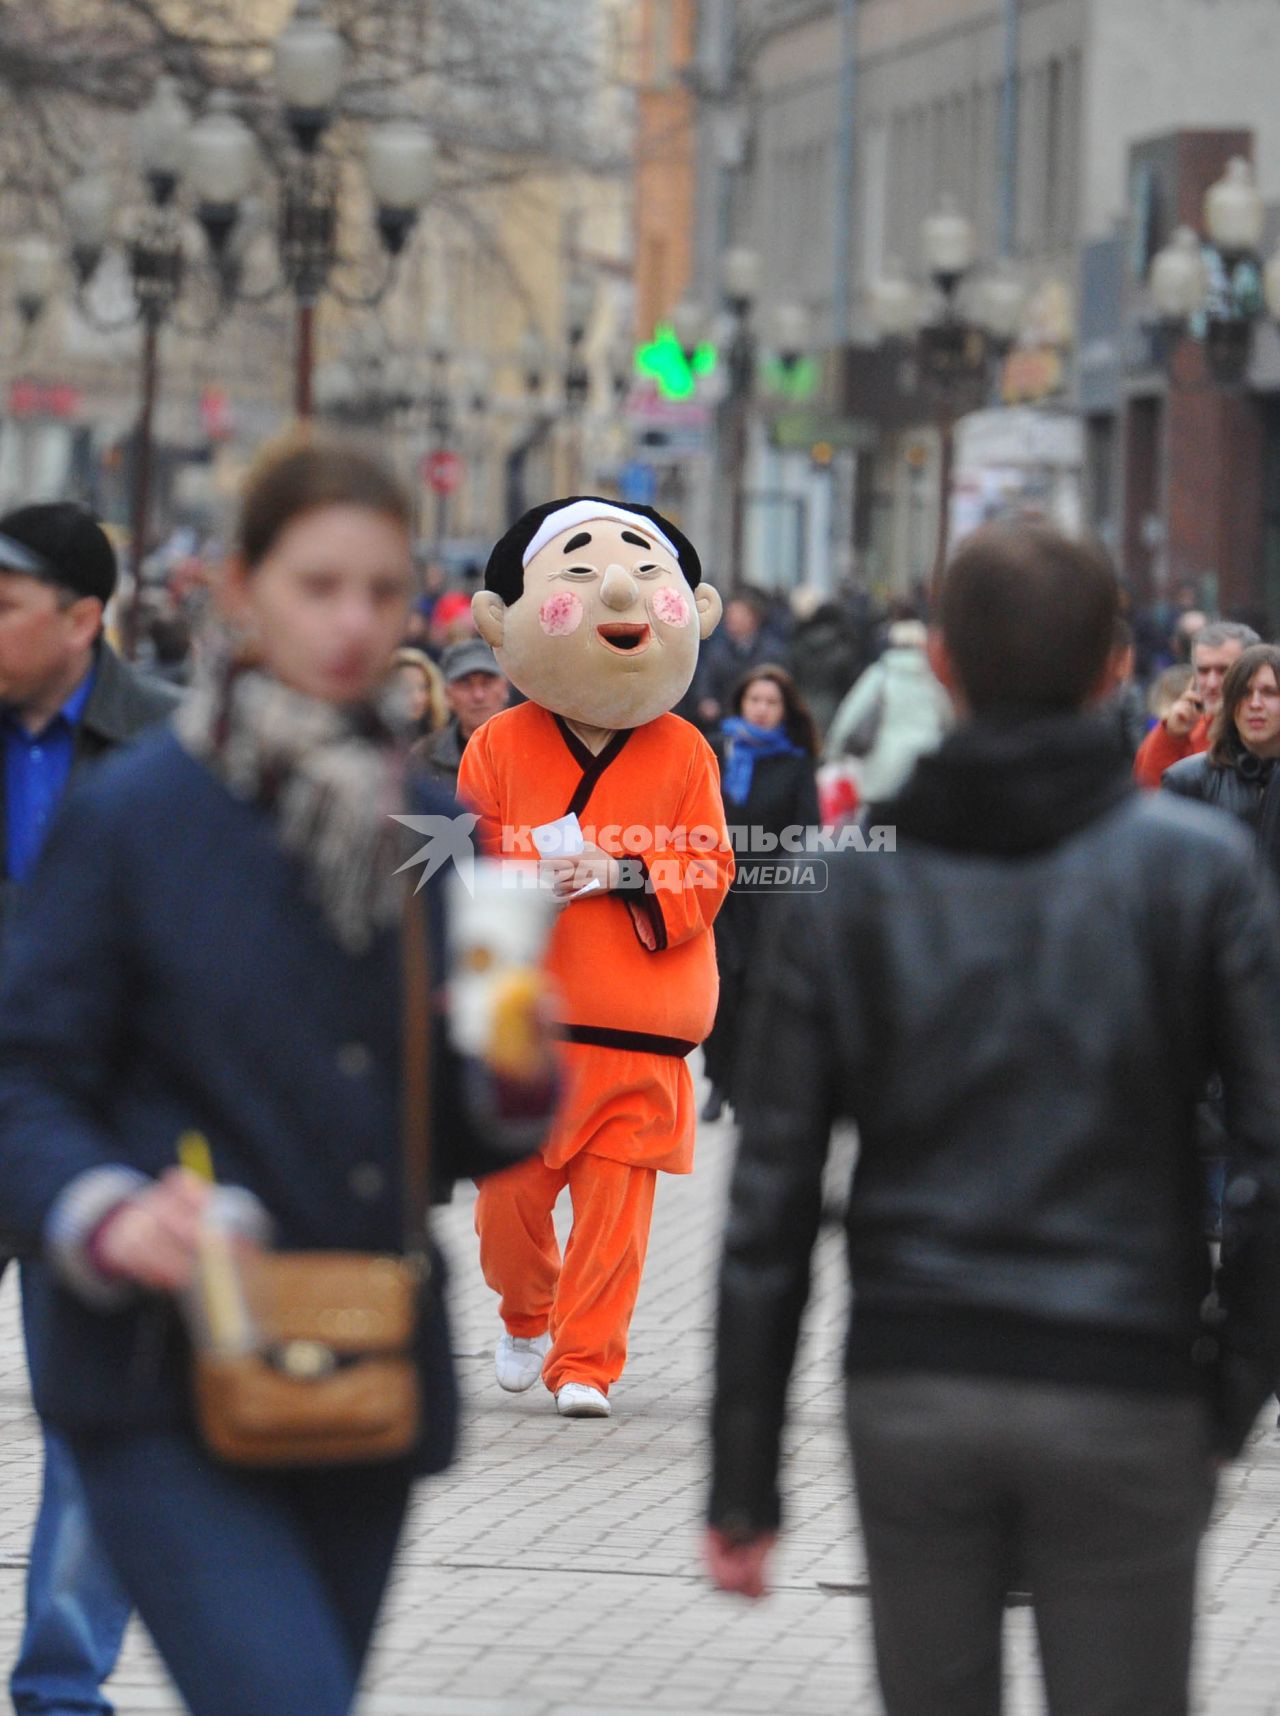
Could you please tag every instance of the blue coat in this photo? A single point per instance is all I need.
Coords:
(168, 972)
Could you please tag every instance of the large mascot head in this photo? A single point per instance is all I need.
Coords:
(595, 610)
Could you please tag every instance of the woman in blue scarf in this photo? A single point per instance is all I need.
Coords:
(767, 749)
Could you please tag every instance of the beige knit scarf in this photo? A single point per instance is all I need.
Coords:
(331, 777)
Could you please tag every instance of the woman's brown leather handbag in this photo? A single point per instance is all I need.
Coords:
(331, 1377)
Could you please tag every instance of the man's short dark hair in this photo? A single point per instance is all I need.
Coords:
(1028, 616)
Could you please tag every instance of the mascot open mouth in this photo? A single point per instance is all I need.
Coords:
(625, 639)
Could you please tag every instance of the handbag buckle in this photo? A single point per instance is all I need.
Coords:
(305, 1361)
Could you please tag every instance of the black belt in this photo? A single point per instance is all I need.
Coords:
(641, 1042)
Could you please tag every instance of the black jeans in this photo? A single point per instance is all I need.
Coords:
(260, 1590)
(1096, 1500)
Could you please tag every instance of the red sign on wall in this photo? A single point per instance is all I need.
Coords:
(43, 399)
(442, 471)
(215, 413)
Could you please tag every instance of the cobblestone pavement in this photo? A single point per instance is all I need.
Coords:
(554, 1571)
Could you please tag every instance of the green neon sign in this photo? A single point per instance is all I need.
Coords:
(664, 362)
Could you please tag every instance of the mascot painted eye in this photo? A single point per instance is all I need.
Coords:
(632, 957)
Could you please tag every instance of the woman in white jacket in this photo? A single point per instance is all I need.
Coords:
(896, 712)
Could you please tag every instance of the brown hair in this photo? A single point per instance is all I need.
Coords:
(1225, 742)
(1028, 616)
(297, 475)
(797, 722)
(421, 662)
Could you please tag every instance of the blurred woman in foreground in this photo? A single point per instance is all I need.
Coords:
(212, 947)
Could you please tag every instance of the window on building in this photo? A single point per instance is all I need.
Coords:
(800, 230)
(1052, 190)
(937, 153)
(957, 161)
(918, 199)
(877, 166)
(1069, 151)
(1030, 159)
(984, 165)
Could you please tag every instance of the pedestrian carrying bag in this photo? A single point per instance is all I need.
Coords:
(861, 737)
(331, 1377)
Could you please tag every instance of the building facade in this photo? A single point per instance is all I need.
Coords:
(861, 116)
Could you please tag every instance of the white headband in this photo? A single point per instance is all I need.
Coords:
(582, 512)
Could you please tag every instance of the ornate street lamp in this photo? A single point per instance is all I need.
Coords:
(162, 134)
(739, 286)
(310, 60)
(955, 328)
(1218, 292)
(309, 71)
(579, 303)
(792, 335)
(216, 159)
(33, 266)
(789, 338)
(222, 163)
(621, 368)
(533, 361)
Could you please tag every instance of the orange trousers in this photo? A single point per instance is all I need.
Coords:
(587, 1297)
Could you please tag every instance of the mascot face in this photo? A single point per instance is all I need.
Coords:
(606, 626)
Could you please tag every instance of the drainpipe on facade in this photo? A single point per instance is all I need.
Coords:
(842, 285)
(1009, 133)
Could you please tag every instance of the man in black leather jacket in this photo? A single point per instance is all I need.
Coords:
(1019, 1008)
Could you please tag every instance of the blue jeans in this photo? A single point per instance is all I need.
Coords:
(76, 1609)
(260, 1589)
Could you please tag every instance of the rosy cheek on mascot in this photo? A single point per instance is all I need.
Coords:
(595, 611)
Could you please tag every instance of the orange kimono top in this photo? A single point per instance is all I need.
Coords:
(635, 968)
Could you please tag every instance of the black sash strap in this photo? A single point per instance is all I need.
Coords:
(591, 764)
(640, 1042)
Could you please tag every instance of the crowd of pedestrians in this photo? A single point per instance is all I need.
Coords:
(220, 993)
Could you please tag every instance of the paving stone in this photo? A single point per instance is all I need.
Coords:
(555, 1571)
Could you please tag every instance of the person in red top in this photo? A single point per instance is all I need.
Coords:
(595, 611)
(1184, 731)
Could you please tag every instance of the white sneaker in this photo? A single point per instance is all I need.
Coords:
(580, 1400)
(518, 1361)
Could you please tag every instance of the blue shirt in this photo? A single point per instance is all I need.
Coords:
(37, 767)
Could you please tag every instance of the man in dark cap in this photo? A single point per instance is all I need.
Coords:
(475, 688)
(65, 699)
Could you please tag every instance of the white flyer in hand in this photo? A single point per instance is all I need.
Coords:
(563, 839)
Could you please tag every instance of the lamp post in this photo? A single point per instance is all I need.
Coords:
(791, 338)
(955, 330)
(740, 283)
(579, 302)
(162, 139)
(440, 426)
(219, 159)
(309, 69)
(33, 265)
(1219, 292)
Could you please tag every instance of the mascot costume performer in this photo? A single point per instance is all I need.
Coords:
(595, 611)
